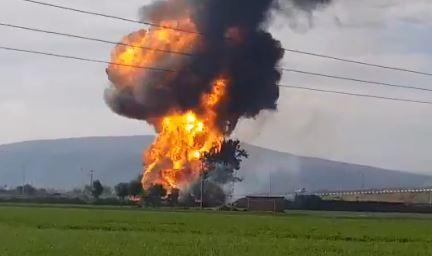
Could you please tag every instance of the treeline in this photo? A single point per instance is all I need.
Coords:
(124, 193)
(157, 195)
(153, 196)
(25, 190)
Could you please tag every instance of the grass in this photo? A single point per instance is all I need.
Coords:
(118, 231)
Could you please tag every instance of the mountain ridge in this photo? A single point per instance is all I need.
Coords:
(65, 163)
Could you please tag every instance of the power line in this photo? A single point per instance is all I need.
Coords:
(110, 16)
(168, 70)
(202, 34)
(358, 62)
(355, 79)
(190, 55)
(92, 39)
(355, 94)
(83, 59)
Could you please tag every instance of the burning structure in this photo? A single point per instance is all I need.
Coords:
(205, 65)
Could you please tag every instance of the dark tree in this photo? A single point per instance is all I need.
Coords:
(97, 189)
(122, 190)
(135, 188)
(27, 189)
(155, 194)
(229, 154)
(221, 162)
(188, 200)
(173, 197)
(213, 194)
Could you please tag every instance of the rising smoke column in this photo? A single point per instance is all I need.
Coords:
(248, 58)
(231, 73)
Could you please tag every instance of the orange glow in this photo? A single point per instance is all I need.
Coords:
(128, 56)
(136, 50)
(173, 160)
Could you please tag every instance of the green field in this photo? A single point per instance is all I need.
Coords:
(95, 231)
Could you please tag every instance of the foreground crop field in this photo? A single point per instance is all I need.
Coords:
(93, 231)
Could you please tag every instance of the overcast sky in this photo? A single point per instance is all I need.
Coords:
(45, 98)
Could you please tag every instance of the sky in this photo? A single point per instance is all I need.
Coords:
(47, 98)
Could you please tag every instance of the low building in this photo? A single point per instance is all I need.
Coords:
(265, 203)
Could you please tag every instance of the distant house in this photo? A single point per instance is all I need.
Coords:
(265, 203)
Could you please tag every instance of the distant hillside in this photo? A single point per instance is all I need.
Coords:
(64, 163)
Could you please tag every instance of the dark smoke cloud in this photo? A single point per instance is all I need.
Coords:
(160, 10)
(296, 10)
(249, 59)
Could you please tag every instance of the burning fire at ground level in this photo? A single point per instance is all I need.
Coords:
(174, 159)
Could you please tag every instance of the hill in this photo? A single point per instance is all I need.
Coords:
(65, 163)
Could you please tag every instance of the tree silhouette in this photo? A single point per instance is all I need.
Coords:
(221, 162)
(122, 190)
(213, 194)
(173, 197)
(219, 165)
(230, 153)
(27, 189)
(135, 188)
(97, 189)
(155, 194)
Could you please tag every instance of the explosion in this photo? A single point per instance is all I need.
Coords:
(207, 64)
(174, 158)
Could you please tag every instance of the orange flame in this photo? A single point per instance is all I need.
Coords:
(144, 48)
(173, 160)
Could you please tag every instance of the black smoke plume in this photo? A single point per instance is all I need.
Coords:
(295, 10)
(233, 43)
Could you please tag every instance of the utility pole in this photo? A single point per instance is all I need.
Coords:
(270, 184)
(202, 184)
(91, 178)
(232, 187)
(24, 178)
(202, 191)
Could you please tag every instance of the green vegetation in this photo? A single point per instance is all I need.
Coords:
(122, 231)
